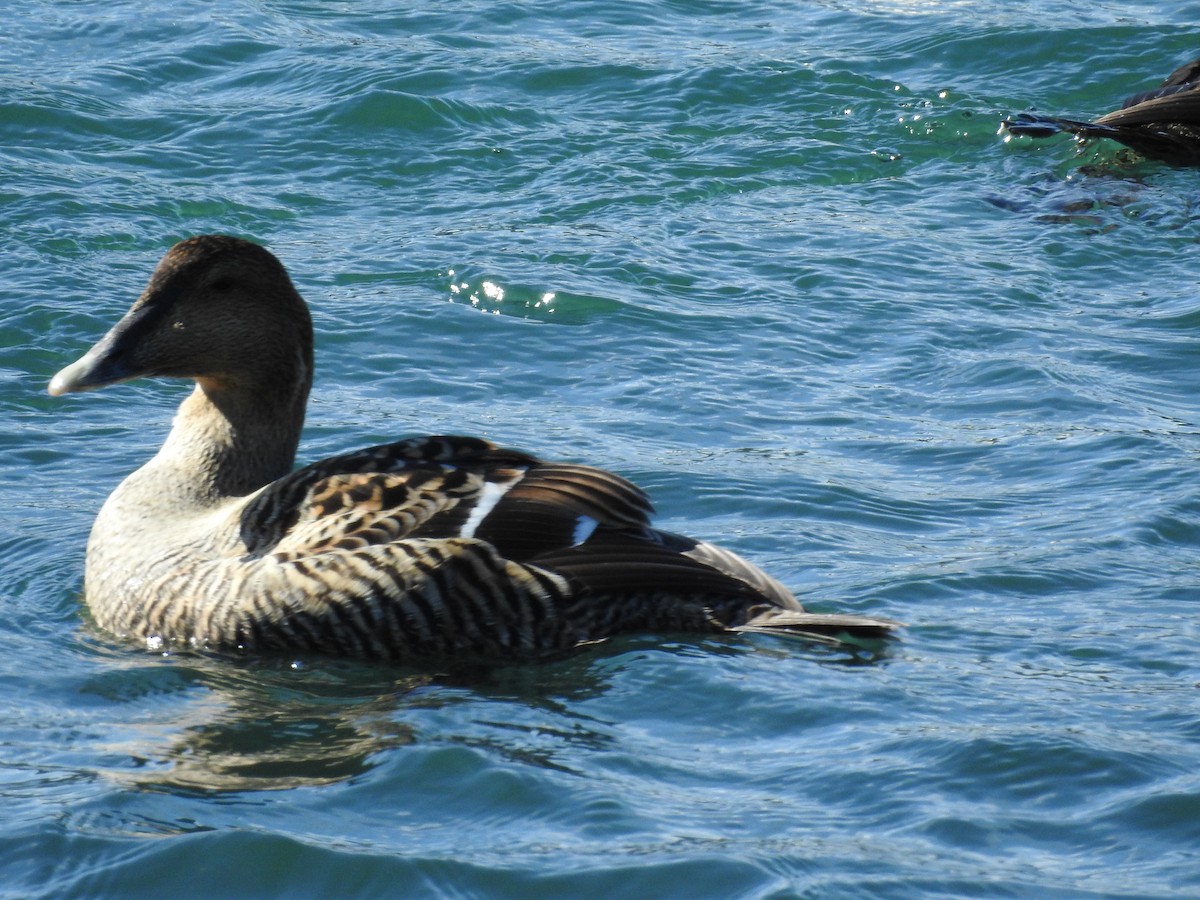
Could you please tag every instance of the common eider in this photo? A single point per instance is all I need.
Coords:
(429, 547)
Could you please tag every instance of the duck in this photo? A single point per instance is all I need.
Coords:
(427, 548)
(1161, 124)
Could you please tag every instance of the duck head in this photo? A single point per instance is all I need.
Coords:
(219, 310)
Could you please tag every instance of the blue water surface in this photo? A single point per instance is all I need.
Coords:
(775, 262)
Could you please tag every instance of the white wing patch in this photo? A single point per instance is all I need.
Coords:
(584, 526)
(491, 494)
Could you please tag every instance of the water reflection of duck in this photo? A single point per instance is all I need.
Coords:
(1162, 124)
(429, 547)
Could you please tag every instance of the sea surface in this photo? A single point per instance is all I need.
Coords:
(775, 262)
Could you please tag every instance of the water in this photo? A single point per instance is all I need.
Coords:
(770, 260)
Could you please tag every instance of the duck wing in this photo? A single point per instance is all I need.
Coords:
(1178, 107)
(1185, 78)
(438, 487)
(1164, 126)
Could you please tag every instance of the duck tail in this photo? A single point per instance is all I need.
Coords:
(1034, 126)
(834, 629)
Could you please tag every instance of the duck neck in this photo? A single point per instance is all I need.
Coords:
(230, 441)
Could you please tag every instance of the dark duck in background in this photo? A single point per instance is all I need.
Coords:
(1161, 124)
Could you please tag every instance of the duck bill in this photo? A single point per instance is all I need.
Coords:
(92, 370)
(108, 362)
